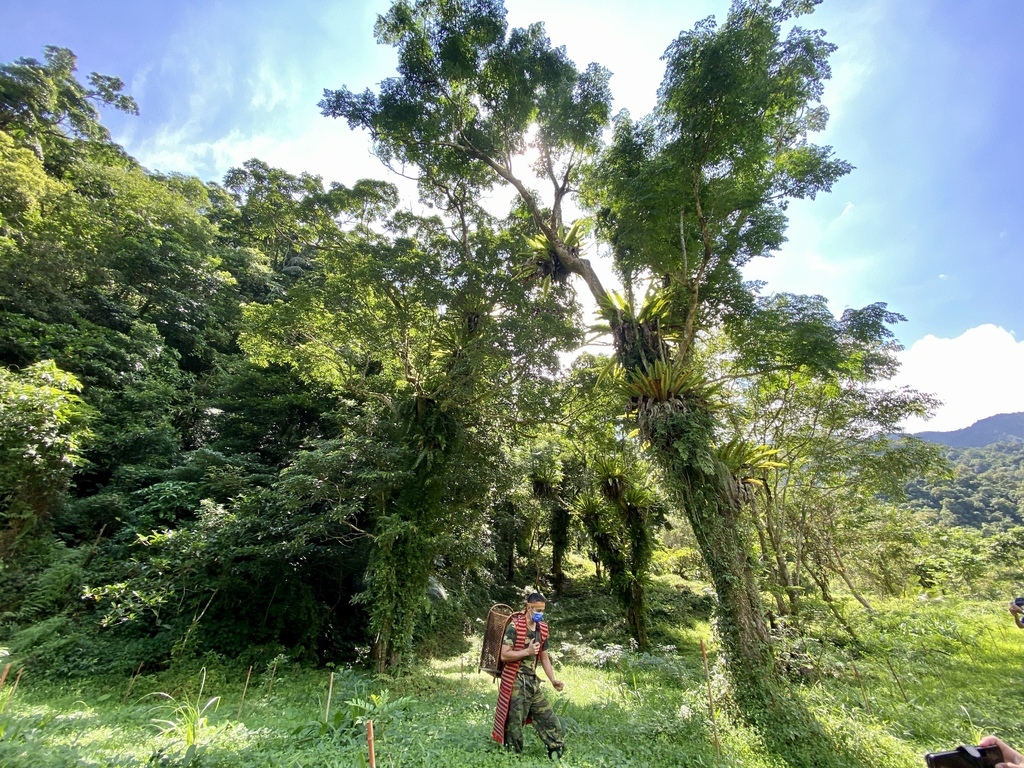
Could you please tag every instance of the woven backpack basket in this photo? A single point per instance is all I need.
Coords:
(490, 654)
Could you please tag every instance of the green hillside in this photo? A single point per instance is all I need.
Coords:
(985, 489)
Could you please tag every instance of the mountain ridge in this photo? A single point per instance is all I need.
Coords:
(1001, 428)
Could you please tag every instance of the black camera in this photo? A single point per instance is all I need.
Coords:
(966, 757)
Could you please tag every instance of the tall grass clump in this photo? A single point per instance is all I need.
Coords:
(186, 718)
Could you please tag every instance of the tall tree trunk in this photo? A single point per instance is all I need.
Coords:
(681, 433)
(741, 624)
(398, 577)
(636, 614)
(559, 543)
(782, 577)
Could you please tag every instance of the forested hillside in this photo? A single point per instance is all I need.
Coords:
(985, 488)
(272, 418)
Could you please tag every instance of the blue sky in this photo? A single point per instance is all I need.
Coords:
(925, 102)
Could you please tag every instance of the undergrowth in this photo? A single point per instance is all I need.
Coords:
(917, 677)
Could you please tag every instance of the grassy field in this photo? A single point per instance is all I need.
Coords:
(921, 676)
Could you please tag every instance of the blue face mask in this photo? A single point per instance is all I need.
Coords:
(538, 616)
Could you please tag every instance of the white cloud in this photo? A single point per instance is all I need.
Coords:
(974, 375)
(318, 145)
(268, 92)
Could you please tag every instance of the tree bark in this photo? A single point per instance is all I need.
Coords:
(740, 622)
(680, 433)
(636, 614)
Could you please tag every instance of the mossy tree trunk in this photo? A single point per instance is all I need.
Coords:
(680, 434)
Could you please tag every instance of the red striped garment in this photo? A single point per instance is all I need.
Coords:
(508, 674)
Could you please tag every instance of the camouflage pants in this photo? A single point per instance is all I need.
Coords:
(528, 702)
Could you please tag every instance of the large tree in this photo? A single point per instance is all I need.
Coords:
(420, 329)
(471, 98)
(684, 197)
(45, 107)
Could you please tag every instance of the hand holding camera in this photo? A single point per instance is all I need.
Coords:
(1011, 757)
(966, 756)
(990, 753)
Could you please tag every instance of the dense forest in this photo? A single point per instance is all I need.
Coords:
(984, 489)
(271, 416)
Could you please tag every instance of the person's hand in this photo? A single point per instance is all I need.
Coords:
(533, 648)
(558, 685)
(1015, 609)
(1011, 757)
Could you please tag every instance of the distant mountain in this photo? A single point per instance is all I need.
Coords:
(1001, 428)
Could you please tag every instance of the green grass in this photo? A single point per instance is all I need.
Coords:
(931, 675)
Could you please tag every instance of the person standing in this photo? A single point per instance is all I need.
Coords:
(520, 700)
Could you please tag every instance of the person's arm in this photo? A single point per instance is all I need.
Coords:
(1011, 757)
(508, 642)
(508, 654)
(1018, 614)
(545, 662)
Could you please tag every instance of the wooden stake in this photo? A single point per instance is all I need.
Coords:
(711, 698)
(95, 544)
(3, 677)
(244, 689)
(897, 679)
(330, 693)
(273, 672)
(369, 743)
(131, 684)
(863, 693)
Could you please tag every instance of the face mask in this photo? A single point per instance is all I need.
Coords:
(538, 616)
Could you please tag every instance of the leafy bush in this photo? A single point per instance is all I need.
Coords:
(346, 725)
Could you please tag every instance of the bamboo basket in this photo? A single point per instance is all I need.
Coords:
(490, 654)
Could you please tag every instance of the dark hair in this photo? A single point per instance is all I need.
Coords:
(536, 597)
